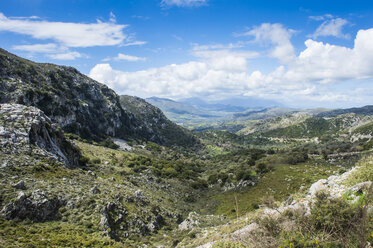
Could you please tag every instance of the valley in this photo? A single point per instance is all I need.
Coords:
(227, 176)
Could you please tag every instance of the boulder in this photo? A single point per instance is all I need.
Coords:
(20, 185)
(190, 222)
(95, 190)
(38, 207)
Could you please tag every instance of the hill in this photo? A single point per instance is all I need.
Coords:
(77, 103)
(151, 124)
(366, 110)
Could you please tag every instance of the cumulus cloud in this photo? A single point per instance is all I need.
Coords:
(331, 27)
(277, 36)
(126, 57)
(67, 33)
(308, 78)
(183, 80)
(317, 66)
(183, 3)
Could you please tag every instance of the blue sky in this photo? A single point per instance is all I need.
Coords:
(299, 53)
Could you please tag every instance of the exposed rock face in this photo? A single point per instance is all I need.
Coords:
(20, 185)
(77, 103)
(114, 219)
(83, 106)
(28, 129)
(37, 207)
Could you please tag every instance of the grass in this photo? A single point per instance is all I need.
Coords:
(280, 183)
(363, 172)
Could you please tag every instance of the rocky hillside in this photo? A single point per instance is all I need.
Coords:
(79, 104)
(366, 110)
(27, 130)
(319, 126)
(153, 125)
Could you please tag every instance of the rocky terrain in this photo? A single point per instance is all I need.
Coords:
(81, 166)
(28, 130)
(77, 103)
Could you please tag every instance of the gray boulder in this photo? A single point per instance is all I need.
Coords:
(38, 207)
(20, 185)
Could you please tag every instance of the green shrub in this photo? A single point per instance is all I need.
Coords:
(199, 184)
(108, 143)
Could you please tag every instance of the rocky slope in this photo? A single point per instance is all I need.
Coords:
(79, 104)
(338, 206)
(366, 110)
(153, 125)
(27, 130)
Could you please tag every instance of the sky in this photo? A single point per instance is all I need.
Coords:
(299, 53)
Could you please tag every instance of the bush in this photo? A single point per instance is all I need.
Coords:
(108, 143)
(199, 184)
(244, 173)
(262, 167)
(213, 178)
(335, 215)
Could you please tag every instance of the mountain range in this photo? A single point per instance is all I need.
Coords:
(81, 166)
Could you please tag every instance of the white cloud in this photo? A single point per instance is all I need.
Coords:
(318, 65)
(331, 27)
(321, 18)
(66, 33)
(40, 48)
(65, 56)
(276, 35)
(193, 78)
(183, 3)
(50, 50)
(307, 79)
(113, 18)
(134, 43)
(126, 57)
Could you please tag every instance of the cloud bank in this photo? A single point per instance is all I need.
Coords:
(307, 76)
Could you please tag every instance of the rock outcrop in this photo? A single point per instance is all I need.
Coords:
(37, 207)
(28, 129)
(76, 102)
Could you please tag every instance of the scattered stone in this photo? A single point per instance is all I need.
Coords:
(20, 185)
(190, 222)
(37, 207)
(114, 219)
(95, 190)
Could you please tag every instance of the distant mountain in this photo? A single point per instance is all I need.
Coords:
(237, 104)
(234, 105)
(182, 113)
(366, 110)
(191, 111)
(261, 114)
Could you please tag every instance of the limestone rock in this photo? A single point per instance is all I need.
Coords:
(28, 129)
(37, 207)
(20, 185)
(95, 190)
(190, 222)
